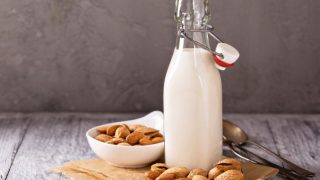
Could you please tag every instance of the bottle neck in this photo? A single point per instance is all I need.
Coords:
(201, 37)
(192, 14)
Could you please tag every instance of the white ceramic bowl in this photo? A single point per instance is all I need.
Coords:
(129, 156)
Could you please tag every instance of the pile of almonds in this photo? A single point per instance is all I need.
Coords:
(129, 135)
(226, 169)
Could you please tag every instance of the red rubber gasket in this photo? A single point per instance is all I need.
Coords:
(221, 63)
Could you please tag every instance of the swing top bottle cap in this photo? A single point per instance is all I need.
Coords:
(230, 56)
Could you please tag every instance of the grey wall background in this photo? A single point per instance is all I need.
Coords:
(112, 55)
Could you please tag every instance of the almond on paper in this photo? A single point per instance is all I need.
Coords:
(134, 137)
(159, 167)
(168, 176)
(214, 172)
(230, 175)
(153, 174)
(228, 164)
(199, 177)
(179, 172)
(198, 171)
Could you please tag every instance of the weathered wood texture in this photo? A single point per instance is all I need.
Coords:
(298, 139)
(31, 144)
(12, 133)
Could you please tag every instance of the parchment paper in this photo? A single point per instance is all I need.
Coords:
(97, 169)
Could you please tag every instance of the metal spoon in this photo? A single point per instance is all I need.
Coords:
(235, 134)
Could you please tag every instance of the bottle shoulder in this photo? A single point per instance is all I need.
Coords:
(192, 66)
(191, 61)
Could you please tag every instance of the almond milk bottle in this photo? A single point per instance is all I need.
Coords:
(192, 91)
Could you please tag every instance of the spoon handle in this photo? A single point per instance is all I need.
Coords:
(282, 171)
(290, 164)
(235, 152)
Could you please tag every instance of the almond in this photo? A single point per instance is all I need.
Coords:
(198, 171)
(228, 164)
(215, 172)
(122, 132)
(168, 176)
(145, 141)
(112, 129)
(157, 140)
(153, 174)
(124, 144)
(159, 167)
(102, 129)
(134, 137)
(126, 126)
(158, 135)
(115, 141)
(135, 126)
(179, 172)
(199, 177)
(154, 134)
(103, 137)
(230, 175)
(146, 130)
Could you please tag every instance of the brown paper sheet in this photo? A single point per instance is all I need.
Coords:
(97, 169)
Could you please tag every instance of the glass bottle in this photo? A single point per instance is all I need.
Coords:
(192, 94)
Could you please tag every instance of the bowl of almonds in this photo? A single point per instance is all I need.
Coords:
(130, 144)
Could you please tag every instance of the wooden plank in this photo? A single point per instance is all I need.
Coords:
(53, 140)
(298, 138)
(12, 132)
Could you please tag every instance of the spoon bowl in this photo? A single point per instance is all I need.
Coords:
(234, 133)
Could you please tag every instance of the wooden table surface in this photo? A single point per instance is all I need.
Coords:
(32, 143)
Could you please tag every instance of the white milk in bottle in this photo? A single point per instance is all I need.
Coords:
(192, 95)
(192, 110)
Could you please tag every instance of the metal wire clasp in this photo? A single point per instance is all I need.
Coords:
(209, 29)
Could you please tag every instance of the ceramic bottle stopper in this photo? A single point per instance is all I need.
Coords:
(230, 56)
